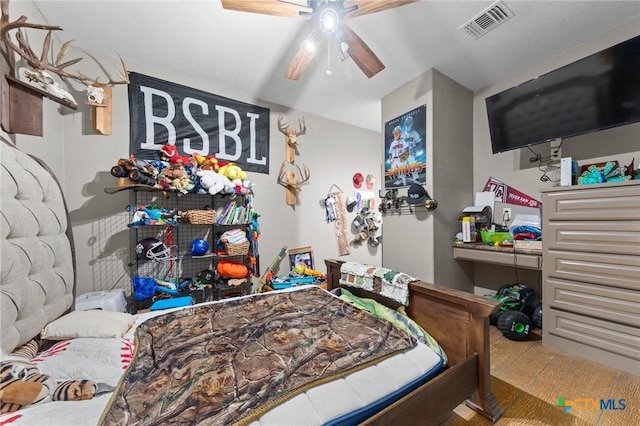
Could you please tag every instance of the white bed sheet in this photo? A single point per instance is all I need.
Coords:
(314, 407)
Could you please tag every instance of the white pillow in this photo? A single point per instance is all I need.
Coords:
(100, 360)
(93, 323)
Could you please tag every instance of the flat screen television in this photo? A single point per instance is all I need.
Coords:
(595, 93)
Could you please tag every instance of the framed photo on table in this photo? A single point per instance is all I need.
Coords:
(301, 255)
(405, 149)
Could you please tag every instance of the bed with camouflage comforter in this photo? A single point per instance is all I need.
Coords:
(230, 362)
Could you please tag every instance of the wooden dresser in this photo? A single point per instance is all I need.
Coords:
(591, 272)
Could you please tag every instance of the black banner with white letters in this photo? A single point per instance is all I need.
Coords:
(195, 121)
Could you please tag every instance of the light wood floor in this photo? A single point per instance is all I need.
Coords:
(528, 377)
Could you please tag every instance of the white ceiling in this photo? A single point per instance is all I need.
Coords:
(248, 53)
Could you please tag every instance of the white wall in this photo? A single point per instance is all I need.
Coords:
(332, 151)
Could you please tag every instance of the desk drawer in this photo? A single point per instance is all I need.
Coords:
(607, 303)
(526, 261)
(601, 269)
(605, 335)
(621, 237)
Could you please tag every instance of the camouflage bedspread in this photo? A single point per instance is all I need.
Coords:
(229, 362)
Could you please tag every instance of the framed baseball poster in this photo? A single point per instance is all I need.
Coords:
(405, 149)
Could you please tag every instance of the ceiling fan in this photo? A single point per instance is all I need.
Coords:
(330, 18)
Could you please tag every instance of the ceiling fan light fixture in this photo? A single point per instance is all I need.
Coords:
(329, 20)
(343, 49)
(310, 44)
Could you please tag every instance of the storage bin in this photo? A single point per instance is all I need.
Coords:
(495, 237)
(199, 295)
(224, 291)
(199, 217)
(235, 242)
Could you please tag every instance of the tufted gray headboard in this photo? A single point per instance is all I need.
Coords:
(38, 263)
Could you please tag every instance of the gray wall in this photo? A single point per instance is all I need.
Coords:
(459, 155)
(513, 167)
(332, 151)
(420, 243)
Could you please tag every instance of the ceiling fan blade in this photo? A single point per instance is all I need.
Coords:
(366, 7)
(364, 57)
(298, 65)
(267, 7)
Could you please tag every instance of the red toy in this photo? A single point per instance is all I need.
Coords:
(169, 153)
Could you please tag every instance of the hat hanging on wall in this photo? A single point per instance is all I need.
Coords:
(357, 180)
(370, 181)
(418, 195)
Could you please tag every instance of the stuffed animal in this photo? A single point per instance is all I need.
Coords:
(22, 385)
(170, 153)
(237, 177)
(233, 172)
(213, 182)
(207, 163)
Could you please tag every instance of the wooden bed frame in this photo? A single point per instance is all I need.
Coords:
(459, 321)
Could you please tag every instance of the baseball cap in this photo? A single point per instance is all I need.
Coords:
(370, 181)
(416, 194)
(357, 180)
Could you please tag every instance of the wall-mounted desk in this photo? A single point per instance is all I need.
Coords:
(506, 256)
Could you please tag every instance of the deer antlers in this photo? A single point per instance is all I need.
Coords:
(290, 133)
(287, 178)
(284, 178)
(41, 63)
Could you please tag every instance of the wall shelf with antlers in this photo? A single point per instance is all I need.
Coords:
(21, 110)
(22, 106)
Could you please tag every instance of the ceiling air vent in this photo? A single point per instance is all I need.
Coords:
(488, 19)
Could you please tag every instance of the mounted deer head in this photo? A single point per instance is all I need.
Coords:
(41, 66)
(290, 133)
(293, 183)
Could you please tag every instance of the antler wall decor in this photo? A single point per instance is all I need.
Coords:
(291, 138)
(98, 94)
(290, 175)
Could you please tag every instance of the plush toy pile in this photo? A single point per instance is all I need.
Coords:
(197, 174)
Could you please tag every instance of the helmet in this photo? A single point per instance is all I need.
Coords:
(152, 249)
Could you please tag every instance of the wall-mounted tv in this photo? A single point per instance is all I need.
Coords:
(594, 93)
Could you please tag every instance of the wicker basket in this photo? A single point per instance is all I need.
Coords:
(199, 217)
(235, 248)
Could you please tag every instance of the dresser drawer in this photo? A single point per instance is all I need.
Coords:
(593, 203)
(617, 237)
(607, 336)
(608, 303)
(601, 269)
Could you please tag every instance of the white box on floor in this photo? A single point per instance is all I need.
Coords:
(109, 300)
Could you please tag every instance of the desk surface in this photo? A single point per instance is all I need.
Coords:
(508, 256)
(491, 247)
